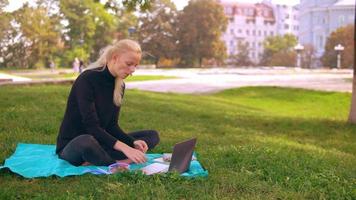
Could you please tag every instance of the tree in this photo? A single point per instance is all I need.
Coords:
(352, 115)
(200, 27)
(278, 50)
(3, 3)
(90, 27)
(157, 32)
(242, 57)
(134, 4)
(29, 37)
(41, 33)
(343, 36)
(308, 56)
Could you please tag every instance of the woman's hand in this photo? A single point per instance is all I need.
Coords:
(141, 145)
(133, 154)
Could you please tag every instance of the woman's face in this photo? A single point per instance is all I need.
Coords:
(124, 64)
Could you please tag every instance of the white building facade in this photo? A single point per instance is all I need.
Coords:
(253, 23)
(319, 18)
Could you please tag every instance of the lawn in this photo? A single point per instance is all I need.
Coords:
(256, 142)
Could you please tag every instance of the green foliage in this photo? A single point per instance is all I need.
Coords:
(132, 5)
(33, 41)
(200, 27)
(256, 142)
(278, 50)
(90, 28)
(308, 56)
(345, 37)
(157, 31)
(242, 58)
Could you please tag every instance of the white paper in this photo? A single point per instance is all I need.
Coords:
(160, 160)
(155, 168)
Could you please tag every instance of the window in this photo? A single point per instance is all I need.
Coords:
(341, 19)
(253, 32)
(231, 31)
(259, 33)
(228, 10)
(265, 33)
(231, 43)
(240, 31)
(265, 13)
(271, 33)
(321, 41)
(287, 16)
(247, 32)
(286, 26)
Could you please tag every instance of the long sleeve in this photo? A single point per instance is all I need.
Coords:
(117, 132)
(90, 120)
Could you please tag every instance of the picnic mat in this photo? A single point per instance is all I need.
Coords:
(37, 160)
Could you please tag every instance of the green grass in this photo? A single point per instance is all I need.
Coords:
(349, 80)
(256, 142)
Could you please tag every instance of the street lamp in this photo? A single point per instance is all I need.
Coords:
(338, 50)
(299, 48)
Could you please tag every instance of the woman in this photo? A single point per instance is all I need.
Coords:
(89, 133)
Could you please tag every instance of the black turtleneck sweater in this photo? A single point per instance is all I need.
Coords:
(91, 110)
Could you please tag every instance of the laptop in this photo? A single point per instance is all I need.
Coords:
(180, 161)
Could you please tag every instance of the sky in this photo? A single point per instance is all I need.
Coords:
(15, 4)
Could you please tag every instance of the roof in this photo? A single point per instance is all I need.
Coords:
(345, 3)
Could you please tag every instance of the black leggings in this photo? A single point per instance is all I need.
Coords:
(85, 148)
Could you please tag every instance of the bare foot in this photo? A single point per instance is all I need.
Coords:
(86, 163)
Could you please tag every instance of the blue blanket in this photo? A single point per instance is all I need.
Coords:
(35, 160)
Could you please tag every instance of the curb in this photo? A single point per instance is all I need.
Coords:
(41, 82)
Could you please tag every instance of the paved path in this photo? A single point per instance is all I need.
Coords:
(214, 80)
(8, 77)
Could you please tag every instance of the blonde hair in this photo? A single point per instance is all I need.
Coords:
(106, 55)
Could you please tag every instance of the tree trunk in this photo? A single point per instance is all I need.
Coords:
(352, 115)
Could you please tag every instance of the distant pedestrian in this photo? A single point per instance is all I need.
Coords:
(52, 65)
(75, 65)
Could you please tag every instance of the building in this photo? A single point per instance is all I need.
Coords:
(287, 19)
(319, 18)
(253, 23)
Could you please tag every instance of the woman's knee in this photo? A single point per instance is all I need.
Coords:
(154, 138)
(87, 141)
